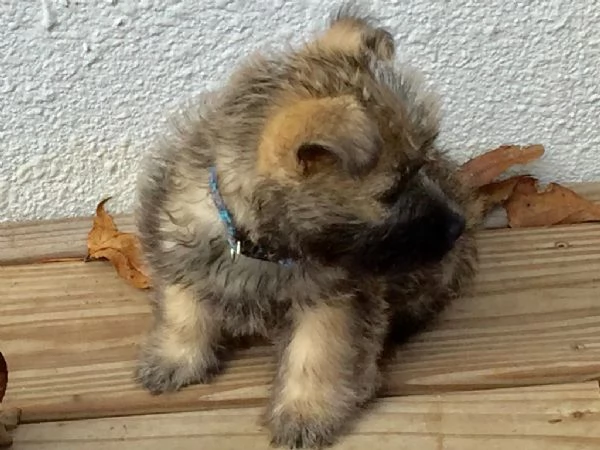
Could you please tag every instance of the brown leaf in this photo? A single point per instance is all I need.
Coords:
(530, 207)
(121, 249)
(485, 168)
(497, 193)
(3, 377)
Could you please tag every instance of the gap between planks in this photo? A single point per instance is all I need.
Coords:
(29, 242)
(69, 332)
(557, 417)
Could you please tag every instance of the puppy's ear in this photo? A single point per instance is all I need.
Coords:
(353, 33)
(310, 135)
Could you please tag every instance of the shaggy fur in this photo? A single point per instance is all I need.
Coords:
(324, 154)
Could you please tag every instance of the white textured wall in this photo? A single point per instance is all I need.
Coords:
(84, 84)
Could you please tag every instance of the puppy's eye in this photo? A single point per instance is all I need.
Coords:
(390, 196)
(411, 170)
(405, 175)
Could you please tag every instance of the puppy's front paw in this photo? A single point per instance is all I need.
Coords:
(293, 429)
(162, 372)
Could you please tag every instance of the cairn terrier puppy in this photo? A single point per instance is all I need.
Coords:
(305, 202)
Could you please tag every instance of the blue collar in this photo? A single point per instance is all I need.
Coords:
(238, 244)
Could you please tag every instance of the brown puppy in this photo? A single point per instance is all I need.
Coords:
(305, 202)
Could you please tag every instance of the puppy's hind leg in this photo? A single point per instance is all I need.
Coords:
(181, 348)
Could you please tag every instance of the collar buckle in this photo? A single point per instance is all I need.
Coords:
(235, 245)
(235, 251)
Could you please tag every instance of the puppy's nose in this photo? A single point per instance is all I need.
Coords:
(456, 227)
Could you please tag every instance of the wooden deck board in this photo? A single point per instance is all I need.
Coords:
(69, 332)
(36, 241)
(559, 417)
(41, 240)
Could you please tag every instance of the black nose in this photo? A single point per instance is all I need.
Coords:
(456, 227)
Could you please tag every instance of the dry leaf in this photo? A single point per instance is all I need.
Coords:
(121, 249)
(484, 169)
(3, 377)
(527, 206)
(497, 193)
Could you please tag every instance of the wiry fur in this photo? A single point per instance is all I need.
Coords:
(325, 154)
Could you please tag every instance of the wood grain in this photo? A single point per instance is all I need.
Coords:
(559, 417)
(49, 240)
(22, 243)
(69, 333)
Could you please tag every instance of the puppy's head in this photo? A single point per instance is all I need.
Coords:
(345, 171)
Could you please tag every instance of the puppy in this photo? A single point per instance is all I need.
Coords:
(306, 202)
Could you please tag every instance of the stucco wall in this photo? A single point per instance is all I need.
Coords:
(85, 84)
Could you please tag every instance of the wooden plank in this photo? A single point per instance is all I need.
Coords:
(49, 239)
(69, 333)
(559, 417)
(43, 240)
